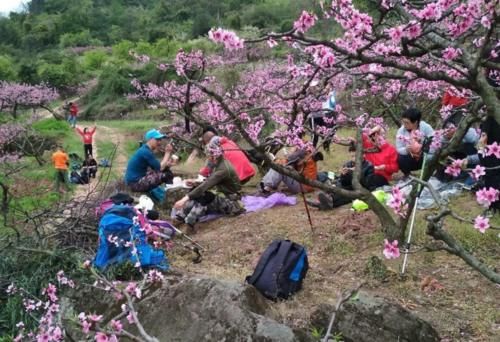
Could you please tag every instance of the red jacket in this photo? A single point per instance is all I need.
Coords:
(237, 158)
(87, 137)
(451, 100)
(387, 156)
(73, 110)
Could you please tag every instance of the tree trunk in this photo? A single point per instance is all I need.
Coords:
(14, 111)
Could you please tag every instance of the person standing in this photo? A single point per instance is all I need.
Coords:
(73, 113)
(87, 136)
(61, 163)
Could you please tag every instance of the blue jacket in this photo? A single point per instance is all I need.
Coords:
(138, 165)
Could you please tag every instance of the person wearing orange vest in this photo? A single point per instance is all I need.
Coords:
(87, 139)
(303, 162)
(61, 163)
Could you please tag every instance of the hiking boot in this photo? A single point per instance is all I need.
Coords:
(312, 203)
(325, 201)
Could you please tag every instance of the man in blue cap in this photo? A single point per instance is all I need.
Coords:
(144, 172)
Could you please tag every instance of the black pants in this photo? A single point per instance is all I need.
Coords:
(407, 163)
(371, 182)
(87, 150)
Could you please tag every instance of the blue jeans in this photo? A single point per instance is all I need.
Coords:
(72, 120)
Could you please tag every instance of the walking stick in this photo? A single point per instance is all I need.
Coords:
(307, 208)
(425, 149)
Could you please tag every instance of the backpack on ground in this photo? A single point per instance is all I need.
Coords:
(77, 178)
(281, 270)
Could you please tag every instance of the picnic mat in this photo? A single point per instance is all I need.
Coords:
(257, 203)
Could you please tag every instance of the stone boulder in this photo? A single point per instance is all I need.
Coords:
(196, 309)
(371, 318)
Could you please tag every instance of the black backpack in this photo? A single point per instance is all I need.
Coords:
(280, 270)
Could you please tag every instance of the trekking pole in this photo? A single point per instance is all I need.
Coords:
(307, 208)
(179, 232)
(425, 148)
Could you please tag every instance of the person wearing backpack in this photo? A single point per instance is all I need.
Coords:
(61, 162)
(87, 135)
(201, 201)
(144, 172)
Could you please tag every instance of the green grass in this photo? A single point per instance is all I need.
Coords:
(131, 125)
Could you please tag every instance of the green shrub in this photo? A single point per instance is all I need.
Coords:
(94, 59)
(7, 68)
(82, 38)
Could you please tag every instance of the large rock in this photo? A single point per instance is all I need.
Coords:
(201, 309)
(189, 309)
(375, 319)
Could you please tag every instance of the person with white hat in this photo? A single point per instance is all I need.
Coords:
(144, 172)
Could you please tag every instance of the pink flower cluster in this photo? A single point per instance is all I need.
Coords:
(451, 53)
(230, 40)
(455, 167)
(481, 223)
(188, 62)
(477, 172)
(391, 249)
(487, 196)
(323, 56)
(492, 150)
(397, 202)
(305, 22)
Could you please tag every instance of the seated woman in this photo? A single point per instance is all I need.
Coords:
(379, 164)
(409, 140)
(201, 201)
(301, 161)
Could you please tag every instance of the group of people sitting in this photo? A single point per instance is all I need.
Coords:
(227, 166)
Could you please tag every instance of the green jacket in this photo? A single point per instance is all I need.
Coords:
(223, 177)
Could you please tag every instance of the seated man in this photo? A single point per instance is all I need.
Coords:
(232, 153)
(409, 140)
(303, 162)
(144, 172)
(200, 201)
(89, 167)
(380, 162)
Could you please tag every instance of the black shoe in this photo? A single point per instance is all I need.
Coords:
(325, 201)
(313, 204)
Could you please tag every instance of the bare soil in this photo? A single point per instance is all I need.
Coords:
(439, 288)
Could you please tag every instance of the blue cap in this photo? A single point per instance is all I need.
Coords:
(153, 134)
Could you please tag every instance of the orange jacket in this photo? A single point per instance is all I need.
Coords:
(310, 171)
(60, 160)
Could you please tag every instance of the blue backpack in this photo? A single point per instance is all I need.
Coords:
(117, 223)
(281, 270)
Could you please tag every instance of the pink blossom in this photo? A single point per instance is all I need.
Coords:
(397, 202)
(116, 326)
(493, 149)
(305, 22)
(414, 30)
(478, 171)
(130, 318)
(228, 38)
(155, 276)
(51, 291)
(101, 337)
(95, 318)
(396, 33)
(486, 22)
(11, 289)
(481, 223)
(272, 43)
(391, 250)
(455, 167)
(133, 290)
(44, 337)
(487, 196)
(86, 327)
(451, 53)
